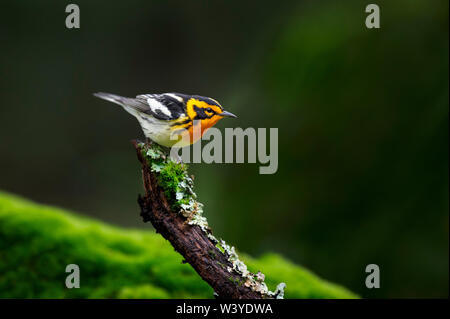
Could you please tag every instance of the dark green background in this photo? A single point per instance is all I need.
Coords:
(362, 117)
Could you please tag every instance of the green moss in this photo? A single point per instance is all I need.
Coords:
(219, 246)
(172, 177)
(143, 292)
(37, 242)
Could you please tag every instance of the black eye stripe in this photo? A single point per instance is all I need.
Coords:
(201, 112)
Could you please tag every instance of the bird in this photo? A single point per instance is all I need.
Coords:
(170, 119)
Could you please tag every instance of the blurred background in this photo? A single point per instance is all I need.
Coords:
(362, 117)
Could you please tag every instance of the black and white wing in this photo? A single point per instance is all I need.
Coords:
(166, 106)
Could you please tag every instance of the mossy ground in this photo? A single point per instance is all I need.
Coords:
(37, 242)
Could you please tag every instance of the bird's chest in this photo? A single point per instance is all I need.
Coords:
(156, 130)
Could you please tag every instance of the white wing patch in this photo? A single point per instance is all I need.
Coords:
(155, 105)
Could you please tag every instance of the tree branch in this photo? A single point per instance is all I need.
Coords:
(184, 227)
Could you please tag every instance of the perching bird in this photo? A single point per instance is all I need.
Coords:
(170, 118)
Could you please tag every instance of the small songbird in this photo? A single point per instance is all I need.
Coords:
(171, 118)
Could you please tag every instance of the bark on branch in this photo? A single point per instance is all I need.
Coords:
(197, 247)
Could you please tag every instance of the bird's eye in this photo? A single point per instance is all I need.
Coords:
(209, 110)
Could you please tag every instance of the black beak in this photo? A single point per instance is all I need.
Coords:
(228, 114)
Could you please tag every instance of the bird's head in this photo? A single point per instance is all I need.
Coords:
(206, 110)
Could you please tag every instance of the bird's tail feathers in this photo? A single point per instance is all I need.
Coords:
(121, 100)
(130, 105)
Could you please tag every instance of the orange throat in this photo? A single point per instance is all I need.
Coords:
(197, 130)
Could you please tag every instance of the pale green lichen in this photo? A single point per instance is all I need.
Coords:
(178, 186)
(253, 281)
